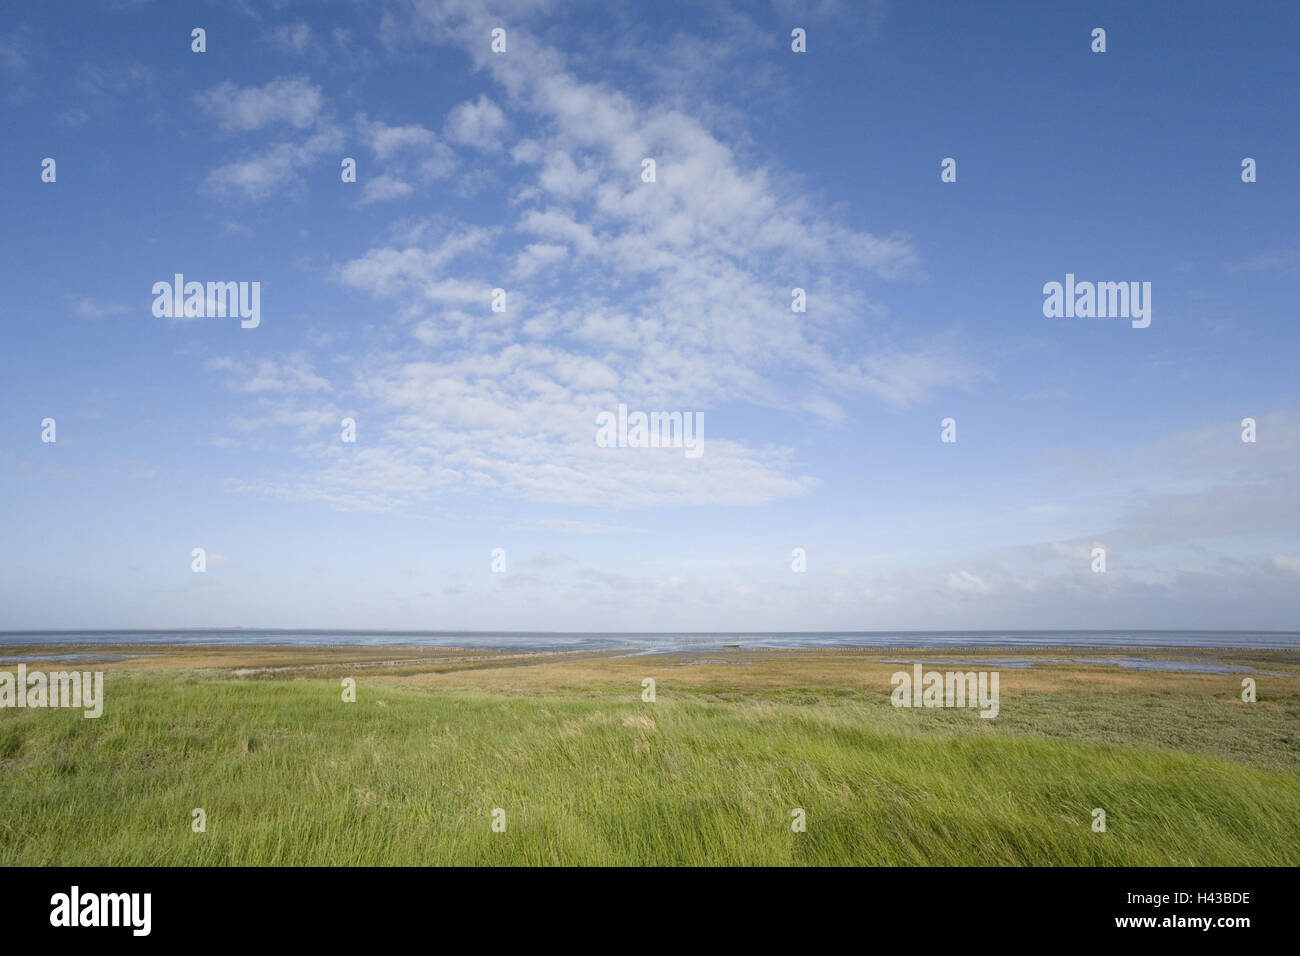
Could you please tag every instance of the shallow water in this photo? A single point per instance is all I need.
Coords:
(1205, 667)
(27, 658)
(652, 643)
(1209, 666)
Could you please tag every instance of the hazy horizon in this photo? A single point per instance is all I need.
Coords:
(660, 642)
(356, 630)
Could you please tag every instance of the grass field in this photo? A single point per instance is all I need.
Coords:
(587, 772)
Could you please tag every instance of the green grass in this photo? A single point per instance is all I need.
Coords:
(288, 775)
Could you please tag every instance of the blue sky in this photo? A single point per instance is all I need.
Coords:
(521, 170)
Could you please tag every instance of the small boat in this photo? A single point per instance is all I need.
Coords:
(731, 643)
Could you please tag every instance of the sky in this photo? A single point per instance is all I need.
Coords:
(523, 170)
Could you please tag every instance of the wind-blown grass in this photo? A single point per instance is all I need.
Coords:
(288, 774)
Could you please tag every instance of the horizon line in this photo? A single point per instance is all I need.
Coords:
(348, 630)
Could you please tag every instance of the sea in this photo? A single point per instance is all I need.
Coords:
(655, 643)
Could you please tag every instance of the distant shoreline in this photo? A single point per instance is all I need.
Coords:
(666, 642)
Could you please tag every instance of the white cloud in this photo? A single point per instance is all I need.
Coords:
(292, 101)
(537, 256)
(405, 153)
(668, 296)
(386, 141)
(292, 374)
(265, 172)
(477, 123)
(384, 188)
(288, 105)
